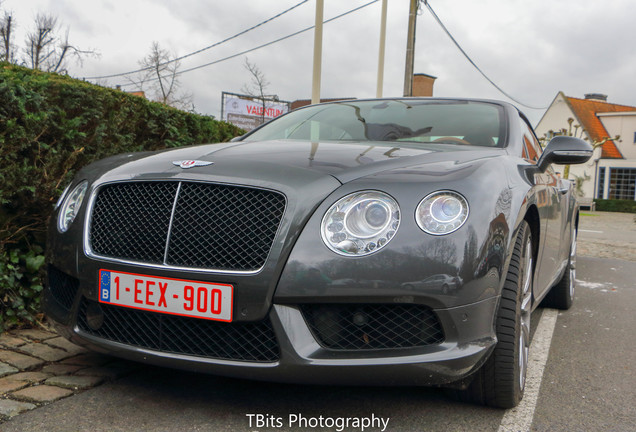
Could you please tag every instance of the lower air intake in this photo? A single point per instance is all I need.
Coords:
(250, 341)
(373, 326)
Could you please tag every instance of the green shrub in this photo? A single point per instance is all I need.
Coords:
(52, 125)
(20, 286)
(622, 206)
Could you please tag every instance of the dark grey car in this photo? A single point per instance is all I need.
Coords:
(285, 255)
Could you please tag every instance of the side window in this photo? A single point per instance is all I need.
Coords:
(531, 146)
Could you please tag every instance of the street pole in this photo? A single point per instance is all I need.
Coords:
(410, 50)
(378, 92)
(315, 87)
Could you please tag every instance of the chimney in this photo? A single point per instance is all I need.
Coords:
(596, 97)
(423, 85)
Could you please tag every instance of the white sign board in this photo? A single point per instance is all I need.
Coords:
(247, 114)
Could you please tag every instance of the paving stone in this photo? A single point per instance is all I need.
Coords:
(9, 341)
(74, 382)
(34, 334)
(10, 408)
(8, 385)
(6, 369)
(87, 359)
(44, 351)
(21, 361)
(41, 393)
(61, 369)
(31, 377)
(62, 343)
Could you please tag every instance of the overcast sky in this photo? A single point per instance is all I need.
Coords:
(531, 49)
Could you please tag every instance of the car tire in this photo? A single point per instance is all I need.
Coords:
(561, 296)
(500, 382)
(445, 289)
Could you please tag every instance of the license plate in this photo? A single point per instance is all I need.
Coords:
(189, 298)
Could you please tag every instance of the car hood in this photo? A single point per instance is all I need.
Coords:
(289, 161)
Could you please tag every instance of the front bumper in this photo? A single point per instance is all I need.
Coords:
(468, 339)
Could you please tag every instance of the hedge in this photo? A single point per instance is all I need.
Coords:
(622, 206)
(50, 126)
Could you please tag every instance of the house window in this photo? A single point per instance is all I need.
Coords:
(622, 183)
(600, 187)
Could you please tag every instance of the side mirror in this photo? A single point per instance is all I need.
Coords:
(565, 150)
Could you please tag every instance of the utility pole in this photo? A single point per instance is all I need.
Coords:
(315, 85)
(378, 92)
(410, 50)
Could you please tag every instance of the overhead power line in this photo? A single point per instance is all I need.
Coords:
(473, 63)
(263, 45)
(204, 48)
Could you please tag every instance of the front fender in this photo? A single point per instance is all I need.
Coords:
(475, 257)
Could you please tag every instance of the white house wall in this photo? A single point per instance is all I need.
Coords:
(556, 118)
(623, 124)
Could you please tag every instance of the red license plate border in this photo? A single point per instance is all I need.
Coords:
(230, 286)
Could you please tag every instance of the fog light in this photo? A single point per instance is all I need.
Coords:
(360, 319)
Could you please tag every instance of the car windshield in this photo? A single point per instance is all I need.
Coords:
(402, 120)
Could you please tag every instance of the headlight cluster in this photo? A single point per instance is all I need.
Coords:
(442, 212)
(70, 206)
(360, 223)
(364, 222)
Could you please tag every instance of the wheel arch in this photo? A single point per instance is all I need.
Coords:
(532, 217)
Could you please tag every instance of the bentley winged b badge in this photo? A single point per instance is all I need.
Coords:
(191, 163)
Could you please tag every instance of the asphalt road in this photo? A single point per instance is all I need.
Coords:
(588, 385)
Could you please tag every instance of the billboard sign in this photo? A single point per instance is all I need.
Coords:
(247, 112)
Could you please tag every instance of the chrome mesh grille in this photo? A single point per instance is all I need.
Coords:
(219, 227)
(131, 220)
(237, 224)
(373, 326)
(250, 341)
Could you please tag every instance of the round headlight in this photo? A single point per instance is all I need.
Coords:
(442, 212)
(71, 206)
(360, 223)
(61, 198)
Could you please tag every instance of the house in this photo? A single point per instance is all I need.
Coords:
(611, 172)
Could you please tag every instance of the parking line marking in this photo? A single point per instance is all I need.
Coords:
(592, 231)
(519, 419)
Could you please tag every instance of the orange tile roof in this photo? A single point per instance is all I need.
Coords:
(585, 110)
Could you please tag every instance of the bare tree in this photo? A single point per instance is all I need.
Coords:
(47, 51)
(257, 86)
(40, 42)
(7, 50)
(160, 77)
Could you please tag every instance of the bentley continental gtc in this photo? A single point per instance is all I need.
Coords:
(384, 242)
